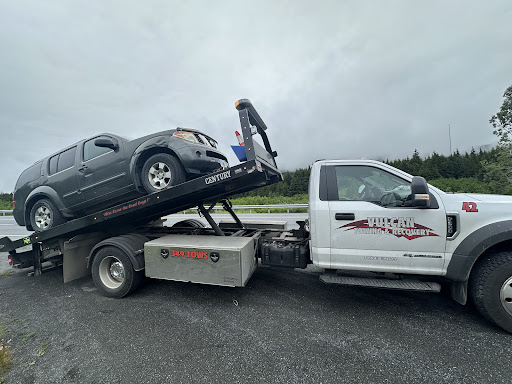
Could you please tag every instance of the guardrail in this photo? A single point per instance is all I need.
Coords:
(235, 207)
(267, 207)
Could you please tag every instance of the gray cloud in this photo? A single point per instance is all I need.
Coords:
(331, 79)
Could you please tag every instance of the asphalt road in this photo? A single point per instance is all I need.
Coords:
(285, 326)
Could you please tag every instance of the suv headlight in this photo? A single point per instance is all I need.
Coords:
(189, 136)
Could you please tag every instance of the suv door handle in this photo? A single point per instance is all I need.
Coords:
(345, 216)
(83, 168)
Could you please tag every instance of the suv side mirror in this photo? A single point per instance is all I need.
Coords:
(106, 143)
(419, 190)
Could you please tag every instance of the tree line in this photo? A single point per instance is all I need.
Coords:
(454, 173)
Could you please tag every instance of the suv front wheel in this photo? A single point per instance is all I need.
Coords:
(162, 171)
(45, 215)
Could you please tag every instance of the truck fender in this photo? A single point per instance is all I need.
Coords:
(131, 244)
(473, 246)
(43, 192)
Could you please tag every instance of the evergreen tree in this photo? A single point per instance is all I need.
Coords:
(498, 173)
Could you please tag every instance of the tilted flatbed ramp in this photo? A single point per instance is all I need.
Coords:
(258, 170)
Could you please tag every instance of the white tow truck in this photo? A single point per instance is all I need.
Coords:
(370, 225)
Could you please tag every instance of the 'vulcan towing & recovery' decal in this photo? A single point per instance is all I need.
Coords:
(397, 226)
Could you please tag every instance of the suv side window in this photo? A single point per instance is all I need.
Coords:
(53, 164)
(364, 183)
(91, 151)
(66, 159)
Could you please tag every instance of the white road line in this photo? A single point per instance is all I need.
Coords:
(15, 235)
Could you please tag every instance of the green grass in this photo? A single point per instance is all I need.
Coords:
(28, 336)
(43, 348)
(266, 200)
(5, 356)
(5, 201)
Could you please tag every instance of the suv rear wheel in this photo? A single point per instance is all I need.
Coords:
(45, 215)
(162, 171)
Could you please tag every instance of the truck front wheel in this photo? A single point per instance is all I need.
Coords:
(491, 288)
(113, 273)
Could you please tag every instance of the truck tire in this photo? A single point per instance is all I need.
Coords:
(45, 215)
(162, 171)
(189, 223)
(113, 273)
(491, 288)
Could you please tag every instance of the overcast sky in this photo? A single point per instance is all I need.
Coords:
(331, 79)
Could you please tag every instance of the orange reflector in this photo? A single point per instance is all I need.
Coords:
(236, 103)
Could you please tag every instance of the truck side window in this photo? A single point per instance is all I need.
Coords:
(66, 159)
(361, 182)
(91, 151)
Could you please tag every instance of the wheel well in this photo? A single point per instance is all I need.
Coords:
(131, 244)
(502, 246)
(146, 155)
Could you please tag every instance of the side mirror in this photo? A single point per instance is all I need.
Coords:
(106, 143)
(419, 191)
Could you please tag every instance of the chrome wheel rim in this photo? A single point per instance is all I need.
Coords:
(43, 217)
(159, 175)
(111, 272)
(506, 295)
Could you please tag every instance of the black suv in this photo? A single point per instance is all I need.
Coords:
(107, 169)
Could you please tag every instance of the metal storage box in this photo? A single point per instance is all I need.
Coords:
(215, 260)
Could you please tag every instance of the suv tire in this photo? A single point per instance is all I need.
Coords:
(162, 171)
(45, 215)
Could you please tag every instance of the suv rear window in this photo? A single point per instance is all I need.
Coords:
(66, 159)
(53, 164)
(62, 161)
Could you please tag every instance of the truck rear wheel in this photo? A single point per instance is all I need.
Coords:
(188, 223)
(491, 288)
(113, 273)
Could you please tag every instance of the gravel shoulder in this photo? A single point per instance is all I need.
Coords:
(285, 326)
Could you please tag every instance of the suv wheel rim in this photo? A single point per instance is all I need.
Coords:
(159, 176)
(506, 295)
(43, 217)
(111, 272)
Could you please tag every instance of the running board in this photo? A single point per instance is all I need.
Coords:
(408, 285)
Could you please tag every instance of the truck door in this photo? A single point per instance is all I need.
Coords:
(102, 172)
(375, 227)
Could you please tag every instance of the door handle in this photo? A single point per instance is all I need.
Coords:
(83, 168)
(345, 216)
